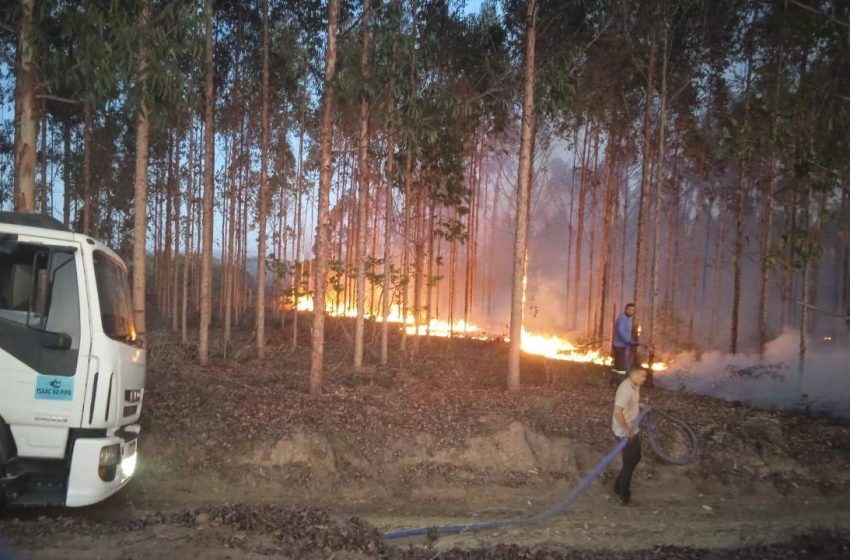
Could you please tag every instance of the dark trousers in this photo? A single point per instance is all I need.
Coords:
(631, 458)
(622, 358)
(622, 365)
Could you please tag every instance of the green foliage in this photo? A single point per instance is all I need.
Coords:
(804, 248)
(336, 280)
(452, 230)
(375, 278)
(432, 536)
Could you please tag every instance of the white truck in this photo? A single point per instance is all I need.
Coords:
(72, 373)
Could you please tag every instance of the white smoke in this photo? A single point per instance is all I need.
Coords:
(772, 381)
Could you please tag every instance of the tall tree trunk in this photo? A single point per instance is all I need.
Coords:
(408, 186)
(156, 214)
(594, 198)
(298, 268)
(363, 195)
(88, 195)
(452, 278)
(807, 273)
(43, 190)
(485, 265)
(281, 251)
(264, 158)
(429, 274)
(570, 229)
(175, 269)
(740, 200)
(245, 298)
(229, 154)
(656, 202)
(692, 305)
(845, 205)
(323, 222)
(66, 172)
(141, 194)
(607, 243)
(624, 239)
(405, 242)
(187, 245)
(494, 220)
(523, 196)
(418, 264)
(643, 203)
(209, 162)
(388, 226)
(580, 223)
(165, 259)
(471, 230)
(718, 274)
(673, 232)
(27, 141)
(439, 261)
(228, 261)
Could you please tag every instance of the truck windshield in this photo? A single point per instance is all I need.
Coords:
(113, 291)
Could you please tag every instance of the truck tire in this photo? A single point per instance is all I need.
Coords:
(7, 452)
(7, 445)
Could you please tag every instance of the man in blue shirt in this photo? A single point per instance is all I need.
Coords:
(621, 345)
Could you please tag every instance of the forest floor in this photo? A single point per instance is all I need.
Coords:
(236, 461)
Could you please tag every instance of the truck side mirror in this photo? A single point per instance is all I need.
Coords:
(56, 340)
(8, 243)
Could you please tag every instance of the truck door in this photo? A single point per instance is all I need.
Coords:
(44, 343)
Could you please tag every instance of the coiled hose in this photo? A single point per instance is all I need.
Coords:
(569, 499)
(655, 444)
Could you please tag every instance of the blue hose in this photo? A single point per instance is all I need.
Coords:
(551, 512)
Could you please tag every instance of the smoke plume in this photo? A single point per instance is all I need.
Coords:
(774, 380)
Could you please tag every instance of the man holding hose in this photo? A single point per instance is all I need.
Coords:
(621, 345)
(626, 410)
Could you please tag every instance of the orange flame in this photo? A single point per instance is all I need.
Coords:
(548, 346)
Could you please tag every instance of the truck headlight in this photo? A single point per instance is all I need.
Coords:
(110, 456)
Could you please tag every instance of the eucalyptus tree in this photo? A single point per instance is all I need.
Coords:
(551, 50)
(385, 108)
(207, 209)
(25, 147)
(523, 195)
(85, 71)
(326, 170)
(158, 34)
(27, 24)
(264, 158)
(364, 176)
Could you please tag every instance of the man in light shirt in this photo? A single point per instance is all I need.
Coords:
(626, 410)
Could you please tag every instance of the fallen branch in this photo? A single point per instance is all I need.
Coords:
(58, 99)
(226, 380)
(813, 10)
(825, 312)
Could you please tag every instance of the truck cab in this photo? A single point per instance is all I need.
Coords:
(72, 372)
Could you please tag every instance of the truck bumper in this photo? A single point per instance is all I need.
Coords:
(85, 486)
